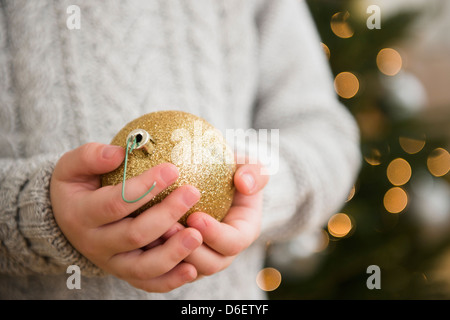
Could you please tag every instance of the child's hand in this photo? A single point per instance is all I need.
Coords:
(95, 220)
(223, 241)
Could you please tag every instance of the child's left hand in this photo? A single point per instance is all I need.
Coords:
(223, 241)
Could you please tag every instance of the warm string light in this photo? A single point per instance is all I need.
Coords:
(438, 162)
(395, 200)
(389, 61)
(340, 26)
(351, 194)
(410, 145)
(346, 85)
(323, 241)
(374, 158)
(268, 279)
(398, 172)
(326, 50)
(339, 225)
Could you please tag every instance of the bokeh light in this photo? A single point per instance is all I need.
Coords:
(351, 194)
(374, 158)
(326, 50)
(346, 84)
(438, 162)
(398, 172)
(372, 122)
(339, 25)
(323, 241)
(389, 61)
(339, 225)
(268, 279)
(395, 200)
(411, 145)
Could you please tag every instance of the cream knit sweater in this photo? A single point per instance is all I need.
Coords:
(236, 63)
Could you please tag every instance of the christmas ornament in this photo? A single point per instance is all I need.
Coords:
(200, 152)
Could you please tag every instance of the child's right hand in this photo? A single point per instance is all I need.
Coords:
(95, 220)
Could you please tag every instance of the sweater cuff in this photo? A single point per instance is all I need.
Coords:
(38, 226)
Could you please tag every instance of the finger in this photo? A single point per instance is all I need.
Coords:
(250, 201)
(237, 231)
(249, 180)
(178, 276)
(89, 160)
(106, 204)
(207, 261)
(145, 265)
(134, 233)
(174, 229)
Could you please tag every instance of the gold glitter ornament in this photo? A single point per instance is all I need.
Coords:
(200, 152)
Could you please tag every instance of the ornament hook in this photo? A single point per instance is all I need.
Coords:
(138, 139)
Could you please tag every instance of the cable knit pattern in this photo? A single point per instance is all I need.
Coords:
(239, 64)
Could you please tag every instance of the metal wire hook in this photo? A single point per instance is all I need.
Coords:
(133, 137)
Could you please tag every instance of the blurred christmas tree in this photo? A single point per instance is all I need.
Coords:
(398, 214)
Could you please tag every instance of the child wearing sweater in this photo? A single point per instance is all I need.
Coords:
(66, 92)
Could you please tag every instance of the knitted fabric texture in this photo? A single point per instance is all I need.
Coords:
(238, 64)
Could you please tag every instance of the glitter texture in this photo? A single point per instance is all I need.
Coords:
(200, 152)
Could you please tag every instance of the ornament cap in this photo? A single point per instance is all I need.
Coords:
(142, 138)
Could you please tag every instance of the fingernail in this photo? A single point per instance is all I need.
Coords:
(200, 224)
(189, 275)
(190, 196)
(109, 151)
(191, 242)
(169, 174)
(249, 180)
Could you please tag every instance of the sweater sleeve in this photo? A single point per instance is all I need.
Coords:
(318, 145)
(30, 240)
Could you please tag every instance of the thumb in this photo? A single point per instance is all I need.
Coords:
(88, 160)
(249, 180)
